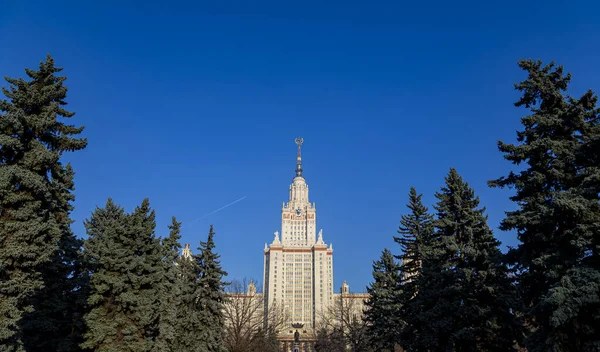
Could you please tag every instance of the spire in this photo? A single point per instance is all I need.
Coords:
(299, 141)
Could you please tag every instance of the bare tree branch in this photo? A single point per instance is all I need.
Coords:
(248, 327)
(343, 320)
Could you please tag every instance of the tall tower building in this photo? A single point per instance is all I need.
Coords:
(298, 267)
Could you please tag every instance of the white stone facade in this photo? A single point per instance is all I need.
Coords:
(298, 268)
(298, 277)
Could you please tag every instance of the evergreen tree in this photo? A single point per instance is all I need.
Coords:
(35, 198)
(382, 311)
(169, 290)
(126, 271)
(416, 231)
(200, 322)
(108, 323)
(464, 291)
(188, 322)
(56, 322)
(147, 263)
(211, 296)
(558, 215)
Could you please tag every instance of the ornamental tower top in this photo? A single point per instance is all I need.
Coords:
(298, 226)
(299, 188)
(299, 141)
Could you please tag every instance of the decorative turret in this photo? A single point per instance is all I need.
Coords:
(251, 288)
(345, 289)
(186, 252)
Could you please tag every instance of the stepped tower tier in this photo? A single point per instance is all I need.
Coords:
(298, 274)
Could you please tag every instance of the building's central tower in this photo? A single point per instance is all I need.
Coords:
(298, 275)
(298, 215)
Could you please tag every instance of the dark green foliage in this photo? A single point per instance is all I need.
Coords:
(382, 310)
(169, 290)
(463, 300)
(200, 322)
(56, 322)
(125, 260)
(107, 259)
(147, 264)
(558, 214)
(211, 296)
(416, 230)
(188, 322)
(38, 249)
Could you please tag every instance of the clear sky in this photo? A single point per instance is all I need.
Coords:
(196, 104)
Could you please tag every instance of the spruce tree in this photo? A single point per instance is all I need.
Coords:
(56, 322)
(200, 321)
(106, 258)
(35, 202)
(169, 290)
(147, 263)
(125, 260)
(416, 229)
(464, 291)
(558, 215)
(382, 311)
(211, 296)
(188, 322)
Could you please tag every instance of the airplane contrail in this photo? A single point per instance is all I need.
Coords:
(215, 211)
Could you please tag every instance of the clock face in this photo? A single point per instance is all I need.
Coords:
(298, 211)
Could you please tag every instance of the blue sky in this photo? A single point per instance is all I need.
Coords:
(197, 104)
